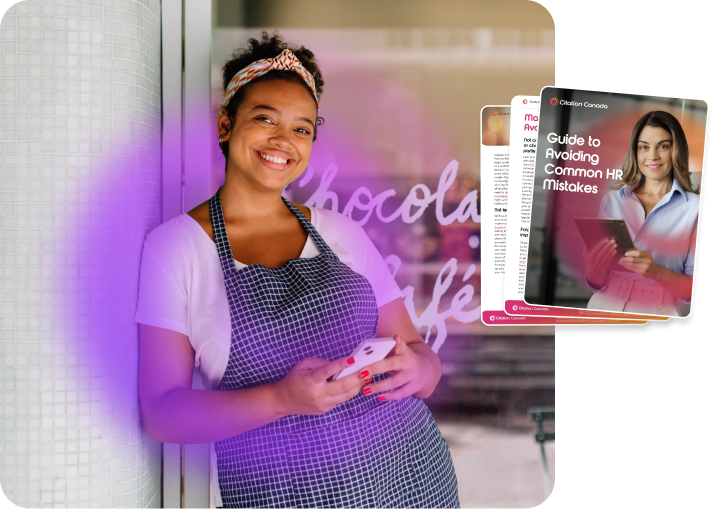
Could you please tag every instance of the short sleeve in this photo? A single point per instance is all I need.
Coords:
(162, 302)
(377, 272)
(689, 265)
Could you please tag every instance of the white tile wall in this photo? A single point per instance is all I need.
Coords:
(80, 128)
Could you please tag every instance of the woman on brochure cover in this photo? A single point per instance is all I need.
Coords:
(659, 205)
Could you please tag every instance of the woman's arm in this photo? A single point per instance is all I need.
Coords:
(173, 412)
(415, 368)
(642, 263)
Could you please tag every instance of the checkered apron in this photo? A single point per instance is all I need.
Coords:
(362, 453)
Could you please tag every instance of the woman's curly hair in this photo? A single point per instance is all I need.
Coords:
(268, 47)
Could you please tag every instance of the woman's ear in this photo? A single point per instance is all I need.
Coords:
(224, 125)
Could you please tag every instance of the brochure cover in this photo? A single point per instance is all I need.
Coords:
(522, 158)
(497, 174)
(615, 202)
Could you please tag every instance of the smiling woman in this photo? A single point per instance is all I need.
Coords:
(268, 299)
(660, 207)
(271, 138)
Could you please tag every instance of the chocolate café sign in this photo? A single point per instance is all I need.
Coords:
(421, 197)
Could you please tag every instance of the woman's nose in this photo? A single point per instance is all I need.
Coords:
(280, 138)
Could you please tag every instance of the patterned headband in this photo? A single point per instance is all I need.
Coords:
(286, 61)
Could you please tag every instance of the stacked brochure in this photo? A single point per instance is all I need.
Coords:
(589, 207)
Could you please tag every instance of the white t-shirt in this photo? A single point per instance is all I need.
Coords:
(181, 287)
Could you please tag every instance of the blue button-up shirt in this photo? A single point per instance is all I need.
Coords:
(668, 232)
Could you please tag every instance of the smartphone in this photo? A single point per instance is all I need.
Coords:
(366, 353)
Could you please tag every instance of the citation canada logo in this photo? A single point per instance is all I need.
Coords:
(554, 101)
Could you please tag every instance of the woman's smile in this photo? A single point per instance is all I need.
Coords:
(273, 160)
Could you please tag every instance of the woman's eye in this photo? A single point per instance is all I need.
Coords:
(303, 130)
(264, 119)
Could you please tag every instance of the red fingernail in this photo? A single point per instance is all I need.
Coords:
(381, 398)
(368, 381)
(367, 390)
(351, 360)
(364, 373)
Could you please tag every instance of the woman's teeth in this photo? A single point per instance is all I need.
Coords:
(274, 159)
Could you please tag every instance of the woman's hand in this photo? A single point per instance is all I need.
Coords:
(641, 262)
(306, 391)
(598, 259)
(410, 372)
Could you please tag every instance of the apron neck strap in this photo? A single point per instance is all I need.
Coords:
(308, 226)
(224, 248)
(220, 237)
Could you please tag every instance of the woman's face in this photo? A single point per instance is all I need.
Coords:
(654, 152)
(272, 134)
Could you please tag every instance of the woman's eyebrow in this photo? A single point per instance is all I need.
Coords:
(270, 108)
(263, 107)
(306, 120)
(661, 141)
